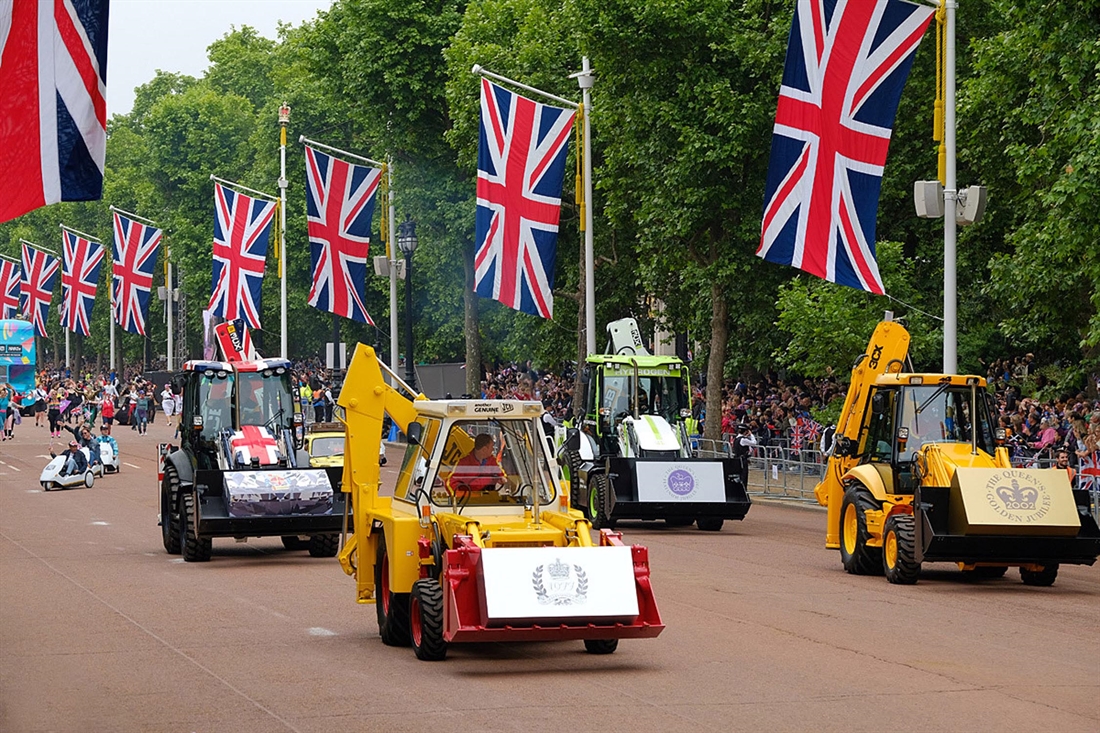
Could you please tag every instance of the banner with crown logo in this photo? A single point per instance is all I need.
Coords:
(1016, 501)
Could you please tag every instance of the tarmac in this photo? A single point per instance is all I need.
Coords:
(101, 630)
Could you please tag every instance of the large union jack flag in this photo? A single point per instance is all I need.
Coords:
(9, 288)
(54, 80)
(242, 228)
(36, 287)
(340, 198)
(80, 263)
(521, 156)
(847, 61)
(135, 260)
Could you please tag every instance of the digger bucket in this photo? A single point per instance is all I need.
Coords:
(548, 593)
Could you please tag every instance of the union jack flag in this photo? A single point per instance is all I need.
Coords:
(80, 262)
(36, 287)
(54, 76)
(340, 199)
(135, 259)
(242, 228)
(847, 61)
(1088, 471)
(9, 288)
(521, 156)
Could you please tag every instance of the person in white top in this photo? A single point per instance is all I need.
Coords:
(168, 404)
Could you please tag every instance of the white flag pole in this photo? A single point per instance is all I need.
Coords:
(950, 195)
(169, 305)
(284, 118)
(391, 247)
(111, 318)
(584, 79)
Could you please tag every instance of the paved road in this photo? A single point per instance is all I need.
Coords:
(100, 630)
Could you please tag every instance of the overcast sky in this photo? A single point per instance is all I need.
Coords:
(172, 35)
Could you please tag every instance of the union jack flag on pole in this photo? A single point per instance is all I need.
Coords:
(9, 288)
(847, 62)
(521, 156)
(54, 76)
(80, 262)
(242, 229)
(36, 287)
(340, 199)
(135, 250)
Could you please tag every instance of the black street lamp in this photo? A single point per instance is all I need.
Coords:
(407, 241)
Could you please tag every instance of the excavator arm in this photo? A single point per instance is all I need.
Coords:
(366, 398)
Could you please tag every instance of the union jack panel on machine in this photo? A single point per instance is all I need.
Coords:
(135, 259)
(242, 228)
(54, 77)
(847, 63)
(521, 158)
(9, 288)
(36, 287)
(81, 260)
(340, 198)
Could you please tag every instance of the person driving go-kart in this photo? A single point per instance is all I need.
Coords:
(478, 470)
(75, 462)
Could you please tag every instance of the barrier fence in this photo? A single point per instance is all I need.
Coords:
(779, 471)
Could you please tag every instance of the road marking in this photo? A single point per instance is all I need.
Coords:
(46, 457)
(318, 631)
(33, 491)
(101, 524)
(131, 465)
(8, 465)
(176, 559)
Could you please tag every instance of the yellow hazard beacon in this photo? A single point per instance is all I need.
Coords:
(917, 473)
(477, 541)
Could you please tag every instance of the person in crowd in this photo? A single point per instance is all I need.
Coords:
(7, 405)
(41, 397)
(329, 402)
(318, 405)
(105, 437)
(57, 395)
(107, 411)
(1061, 462)
(141, 412)
(168, 404)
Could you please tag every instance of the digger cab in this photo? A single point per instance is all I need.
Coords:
(910, 411)
(477, 458)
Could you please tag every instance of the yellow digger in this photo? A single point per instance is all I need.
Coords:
(917, 473)
(477, 542)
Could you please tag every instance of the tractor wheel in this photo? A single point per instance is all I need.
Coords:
(1043, 577)
(193, 547)
(987, 572)
(392, 608)
(710, 524)
(679, 522)
(324, 545)
(292, 542)
(899, 550)
(169, 510)
(601, 646)
(597, 501)
(858, 558)
(426, 621)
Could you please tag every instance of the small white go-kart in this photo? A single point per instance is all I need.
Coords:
(109, 460)
(53, 479)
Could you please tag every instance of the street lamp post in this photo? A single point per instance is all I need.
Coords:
(407, 241)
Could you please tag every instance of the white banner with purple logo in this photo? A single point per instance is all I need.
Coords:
(680, 481)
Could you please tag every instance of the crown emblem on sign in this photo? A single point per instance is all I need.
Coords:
(1017, 497)
(558, 570)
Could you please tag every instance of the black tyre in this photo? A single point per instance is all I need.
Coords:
(858, 558)
(47, 485)
(679, 522)
(1044, 576)
(597, 500)
(192, 547)
(899, 558)
(392, 608)
(324, 545)
(987, 572)
(601, 646)
(169, 510)
(426, 621)
(293, 542)
(89, 480)
(710, 524)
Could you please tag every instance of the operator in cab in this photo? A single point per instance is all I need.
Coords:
(478, 470)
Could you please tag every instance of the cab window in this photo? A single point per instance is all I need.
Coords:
(878, 443)
(414, 465)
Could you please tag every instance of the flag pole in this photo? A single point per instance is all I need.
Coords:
(584, 79)
(111, 318)
(168, 304)
(391, 252)
(284, 118)
(950, 196)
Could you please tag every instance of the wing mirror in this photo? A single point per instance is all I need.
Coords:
(414, 433)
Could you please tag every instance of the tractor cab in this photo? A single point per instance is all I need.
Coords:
(477, 458)
(239, 413)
